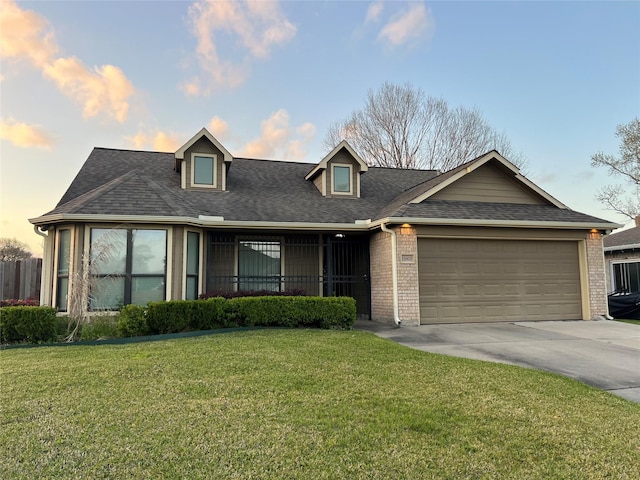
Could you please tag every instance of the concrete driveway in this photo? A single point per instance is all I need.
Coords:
(604, 354)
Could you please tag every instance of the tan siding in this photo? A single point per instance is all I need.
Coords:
(177, 263)
(317, 181)
(489, 184)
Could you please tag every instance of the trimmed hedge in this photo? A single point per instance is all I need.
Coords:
(38, 324)
(132, 321)
(28, 324)
(316, 312)
(212, 313)
(180, 315)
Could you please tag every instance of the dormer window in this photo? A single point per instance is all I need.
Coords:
(341, 183)
(203, 170)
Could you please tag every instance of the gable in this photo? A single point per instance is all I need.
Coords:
(342, 161)
(490, 183)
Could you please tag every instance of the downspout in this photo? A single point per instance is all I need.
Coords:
(394, 273)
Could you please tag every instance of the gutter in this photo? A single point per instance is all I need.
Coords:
(394, 272)
(630, 246)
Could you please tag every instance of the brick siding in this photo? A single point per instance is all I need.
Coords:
(596, 273)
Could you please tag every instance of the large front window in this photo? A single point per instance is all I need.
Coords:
(259, 265)
(127, 266)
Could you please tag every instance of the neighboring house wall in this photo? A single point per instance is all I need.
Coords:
(381, 277)
(618, 257)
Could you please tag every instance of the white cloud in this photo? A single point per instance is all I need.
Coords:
(279, 140)
(411, 24)
(373, 12)
(104, 90)
(23, 135)
(25, 35)
(158, 141)
(219, 128)
(258, 25)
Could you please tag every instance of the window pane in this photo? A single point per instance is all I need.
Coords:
(147, 289)
(63, 290)
(149, 251)
(634, 277)
(193, 244)
(192, 288)
(259, 265)
(203, 170)
(63, 252)
(341, 179)
(108, 251)
(107, 293)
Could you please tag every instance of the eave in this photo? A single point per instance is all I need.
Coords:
(358, 225)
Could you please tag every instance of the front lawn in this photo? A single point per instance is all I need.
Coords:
(306, 404)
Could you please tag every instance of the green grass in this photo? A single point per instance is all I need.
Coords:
(306, 404)
(635, 322)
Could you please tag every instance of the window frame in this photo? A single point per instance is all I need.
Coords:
(624, 265)
(199, 264)
(273, 239)
(129, 276)
(214, 161)
(60, 276)
(333, 179)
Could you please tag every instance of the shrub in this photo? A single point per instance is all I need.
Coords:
(27, 324)
(100, 327)
(14, 302)
(132, 321)
(319, 312)
(180, 315)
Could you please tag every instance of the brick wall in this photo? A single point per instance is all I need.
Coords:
(408, 291)
(596, 273)
(381, 277)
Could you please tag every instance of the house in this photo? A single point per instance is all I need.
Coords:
(478, 243)
(622, 258)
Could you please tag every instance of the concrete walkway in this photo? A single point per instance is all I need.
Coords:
(604, 354)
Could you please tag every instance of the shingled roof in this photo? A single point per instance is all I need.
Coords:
(624, 240)
(129, 183)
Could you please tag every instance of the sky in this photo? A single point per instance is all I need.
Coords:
(269, 78)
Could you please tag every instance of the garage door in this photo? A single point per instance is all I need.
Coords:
(464, 280)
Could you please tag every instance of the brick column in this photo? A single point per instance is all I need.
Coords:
(408, 289)
(596, 274)
(381, 279)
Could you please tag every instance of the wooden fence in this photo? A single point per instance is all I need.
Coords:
(21, 279)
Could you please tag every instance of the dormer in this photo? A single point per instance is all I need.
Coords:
(338, 173)
(203, 163)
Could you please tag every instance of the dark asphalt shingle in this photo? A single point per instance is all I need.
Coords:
(126, 182)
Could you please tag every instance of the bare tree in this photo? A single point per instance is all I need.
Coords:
(12, 250)
(401, 127)
(620, 198)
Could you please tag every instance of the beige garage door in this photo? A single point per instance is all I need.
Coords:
(465, 280)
